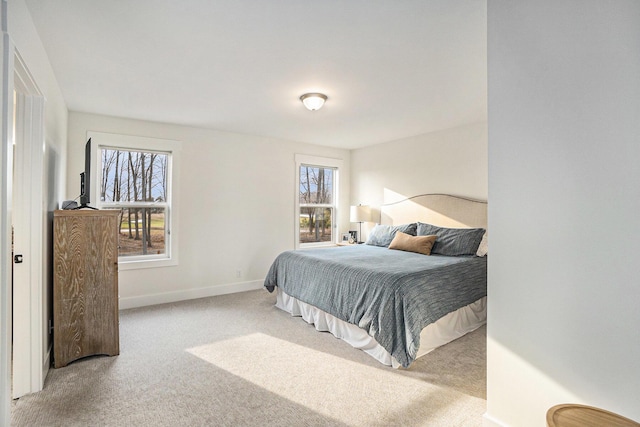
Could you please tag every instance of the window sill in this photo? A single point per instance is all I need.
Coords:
(147, 263)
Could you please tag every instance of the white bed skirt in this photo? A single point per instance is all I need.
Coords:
(448, 328)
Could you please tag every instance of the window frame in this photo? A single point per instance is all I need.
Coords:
(172, 148)
(321, 162)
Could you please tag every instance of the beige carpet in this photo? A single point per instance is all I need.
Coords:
(236, 360)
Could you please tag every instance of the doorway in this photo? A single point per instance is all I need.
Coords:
(30, 362)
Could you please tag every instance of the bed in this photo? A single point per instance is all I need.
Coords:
(395, 305)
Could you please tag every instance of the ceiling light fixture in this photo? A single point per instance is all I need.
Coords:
(313, 101)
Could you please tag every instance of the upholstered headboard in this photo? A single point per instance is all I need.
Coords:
(438, 209)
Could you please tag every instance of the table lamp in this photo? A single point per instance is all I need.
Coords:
(360, 214)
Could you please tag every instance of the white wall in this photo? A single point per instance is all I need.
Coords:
(452, 161)
(236, 200)
(27, 41)
(564, 147)
(5, 224)
(29, 46)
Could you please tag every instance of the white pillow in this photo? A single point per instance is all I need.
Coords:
(483, 248)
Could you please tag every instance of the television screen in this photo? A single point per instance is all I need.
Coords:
(85, 177)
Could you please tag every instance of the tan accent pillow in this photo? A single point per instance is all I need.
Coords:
(418, 244)
(483, 249)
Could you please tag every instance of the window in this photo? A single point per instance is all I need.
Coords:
(136, 183)
(134, 175)
(316, 201)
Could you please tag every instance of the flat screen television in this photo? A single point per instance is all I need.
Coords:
(85, 178)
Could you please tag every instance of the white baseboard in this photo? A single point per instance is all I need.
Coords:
(166, 297)
(489, 421)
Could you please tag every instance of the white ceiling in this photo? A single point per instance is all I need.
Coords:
(391, 68)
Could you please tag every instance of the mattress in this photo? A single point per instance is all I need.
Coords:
(391, 295)
(446, 329)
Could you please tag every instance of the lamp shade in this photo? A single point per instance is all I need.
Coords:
(313, 101)
(360, 214)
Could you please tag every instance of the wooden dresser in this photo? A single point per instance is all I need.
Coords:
(85, 284)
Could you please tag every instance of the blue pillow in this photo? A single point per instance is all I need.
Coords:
(382, 235)
(453, 241)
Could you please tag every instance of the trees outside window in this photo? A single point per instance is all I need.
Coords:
(136, 183)
(316, 204)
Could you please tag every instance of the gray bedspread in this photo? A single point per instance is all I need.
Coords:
(390, 294)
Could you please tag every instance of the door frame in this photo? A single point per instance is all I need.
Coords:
(30, 362)
(6, 166)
